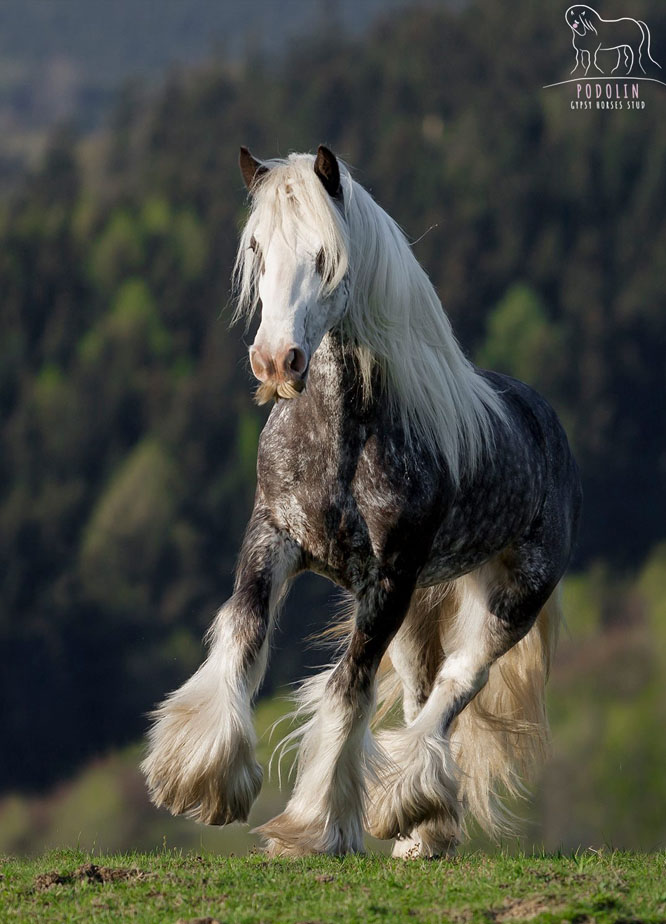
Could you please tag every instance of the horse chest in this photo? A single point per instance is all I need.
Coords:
(356, 508)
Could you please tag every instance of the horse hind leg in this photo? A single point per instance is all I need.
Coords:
(629, 59)
(502, 737)
(416, 652)
(417, 781)
(418, 785)
(416, 656)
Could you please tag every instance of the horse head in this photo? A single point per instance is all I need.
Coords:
(291, 261)
(580, 19)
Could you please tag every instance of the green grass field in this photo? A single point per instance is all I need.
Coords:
(171, 887)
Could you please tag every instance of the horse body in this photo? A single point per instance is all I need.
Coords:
(450, 550)
(342, 480)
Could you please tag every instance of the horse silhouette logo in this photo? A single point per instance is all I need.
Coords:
(592, 34)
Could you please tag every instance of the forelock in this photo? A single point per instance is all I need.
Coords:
(291, 201)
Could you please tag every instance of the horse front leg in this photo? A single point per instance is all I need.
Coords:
(576, 65)
(596, 63)
(325, 812)
(200, 760)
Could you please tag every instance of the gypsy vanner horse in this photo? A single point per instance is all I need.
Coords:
(443, 498)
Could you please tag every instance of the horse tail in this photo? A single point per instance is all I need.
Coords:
(501, 738)
(646, 35)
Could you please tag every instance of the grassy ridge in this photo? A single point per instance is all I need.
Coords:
(70, 886)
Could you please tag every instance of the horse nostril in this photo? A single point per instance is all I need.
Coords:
(261, 366)
(296, 361)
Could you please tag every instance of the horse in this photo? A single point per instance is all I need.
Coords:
(443, 499)
(592, 34)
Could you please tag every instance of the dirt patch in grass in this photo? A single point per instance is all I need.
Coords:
(197, 921)
(89, 873)
(524, 909)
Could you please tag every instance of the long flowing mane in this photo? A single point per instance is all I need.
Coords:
(394, 319)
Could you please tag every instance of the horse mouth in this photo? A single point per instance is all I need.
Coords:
(273, 391)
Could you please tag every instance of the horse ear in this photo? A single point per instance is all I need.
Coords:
(250, 167)
(327, 169)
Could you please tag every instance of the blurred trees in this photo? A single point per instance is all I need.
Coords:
(128, 434)
(520, 339)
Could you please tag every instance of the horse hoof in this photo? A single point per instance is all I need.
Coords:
(286, 836)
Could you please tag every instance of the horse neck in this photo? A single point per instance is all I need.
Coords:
(327, 367)
(333, 371)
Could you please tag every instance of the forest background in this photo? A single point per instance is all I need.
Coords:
(127, 430)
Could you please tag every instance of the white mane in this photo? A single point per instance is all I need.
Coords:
(394, 318)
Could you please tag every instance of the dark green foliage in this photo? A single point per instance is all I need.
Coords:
(128, 433)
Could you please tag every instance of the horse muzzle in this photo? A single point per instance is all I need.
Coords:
(281, 374)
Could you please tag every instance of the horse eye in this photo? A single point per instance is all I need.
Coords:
(253, 243)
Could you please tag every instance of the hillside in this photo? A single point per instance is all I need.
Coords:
(66, 60)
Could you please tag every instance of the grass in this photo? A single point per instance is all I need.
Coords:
(169, 887)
